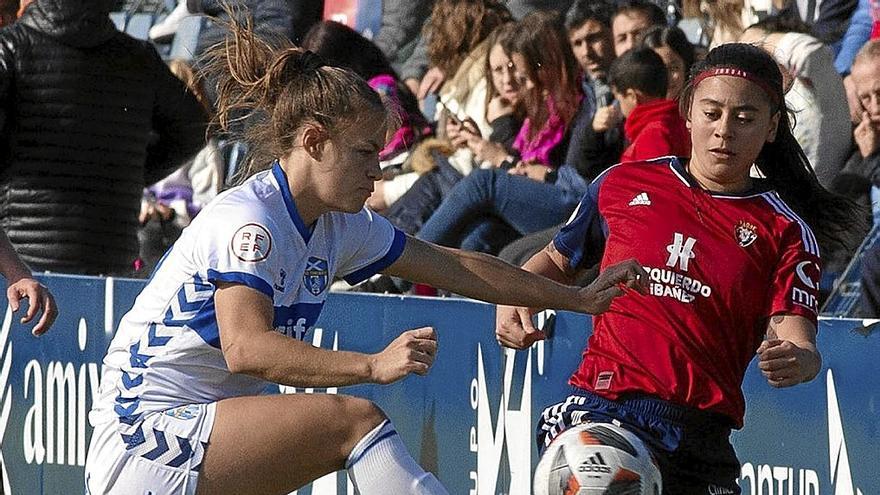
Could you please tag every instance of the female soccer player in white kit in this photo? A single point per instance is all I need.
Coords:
(225, 312)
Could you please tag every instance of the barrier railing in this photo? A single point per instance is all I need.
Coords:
(470, 420)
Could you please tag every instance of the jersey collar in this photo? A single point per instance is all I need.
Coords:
(281, 178)
(679, 168)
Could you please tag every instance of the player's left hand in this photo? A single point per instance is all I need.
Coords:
(39, 299)
(784, 364)
(514, 328)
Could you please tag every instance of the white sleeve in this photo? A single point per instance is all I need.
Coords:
(239, 247)
(372, 244)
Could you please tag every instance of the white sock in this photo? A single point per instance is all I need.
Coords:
(380, 464)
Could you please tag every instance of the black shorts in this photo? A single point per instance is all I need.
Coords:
(691, 447)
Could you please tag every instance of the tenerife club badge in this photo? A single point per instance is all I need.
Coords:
(746, 233)
(315, 276)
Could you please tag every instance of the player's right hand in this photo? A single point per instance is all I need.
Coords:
(412, 351)
(612, 282)
(39, 300)
(514, 328)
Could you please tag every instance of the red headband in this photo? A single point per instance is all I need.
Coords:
(735, 72)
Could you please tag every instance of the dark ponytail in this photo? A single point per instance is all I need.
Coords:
(783, 162)
(277, 89)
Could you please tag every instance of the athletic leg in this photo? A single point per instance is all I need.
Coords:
(275, 444)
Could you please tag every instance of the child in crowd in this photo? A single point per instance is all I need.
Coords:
(654, 127)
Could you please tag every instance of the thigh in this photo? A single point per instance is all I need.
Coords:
(277, 443)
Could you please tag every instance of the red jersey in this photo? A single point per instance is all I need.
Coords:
(719, 266)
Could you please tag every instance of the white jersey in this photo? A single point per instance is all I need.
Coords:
(167, 353)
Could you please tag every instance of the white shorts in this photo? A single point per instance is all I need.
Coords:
(160, 453)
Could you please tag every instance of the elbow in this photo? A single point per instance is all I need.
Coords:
(239, 359)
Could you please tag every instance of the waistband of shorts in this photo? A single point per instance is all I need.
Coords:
(650, 405)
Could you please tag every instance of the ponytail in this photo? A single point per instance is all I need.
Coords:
(276, 90)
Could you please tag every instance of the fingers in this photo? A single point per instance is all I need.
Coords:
(515, 328)
(629, 274)
(35, 302)
(14, 297)
(50, 313)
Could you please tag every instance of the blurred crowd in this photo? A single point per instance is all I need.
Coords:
(508, 110)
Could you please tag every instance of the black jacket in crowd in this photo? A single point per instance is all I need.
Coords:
(88, 116)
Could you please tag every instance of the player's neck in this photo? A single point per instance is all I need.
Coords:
(717, 185)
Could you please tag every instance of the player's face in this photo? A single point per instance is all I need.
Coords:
(503, 74)
(730, 121)
(350, 167)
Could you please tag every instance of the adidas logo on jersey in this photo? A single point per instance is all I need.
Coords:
(595, 464)
(640, 200)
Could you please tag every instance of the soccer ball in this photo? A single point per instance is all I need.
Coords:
(597, 459)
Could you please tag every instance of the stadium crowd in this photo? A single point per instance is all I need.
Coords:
(508, 111)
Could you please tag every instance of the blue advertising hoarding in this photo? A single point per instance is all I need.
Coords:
(471, 420)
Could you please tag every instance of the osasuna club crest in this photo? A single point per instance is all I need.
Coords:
(746, 233)
(315, 276)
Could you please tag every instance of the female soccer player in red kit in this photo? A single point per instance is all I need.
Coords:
(733, 265)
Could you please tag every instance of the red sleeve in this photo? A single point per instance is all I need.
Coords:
(795, 283)
(652, 142)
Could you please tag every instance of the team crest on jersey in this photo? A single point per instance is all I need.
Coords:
(315, 277)
(251, 243)
(746, 233)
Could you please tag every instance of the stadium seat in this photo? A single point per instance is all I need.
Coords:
(184, 44)
(118, 19)
(844, 299)
(139, 25)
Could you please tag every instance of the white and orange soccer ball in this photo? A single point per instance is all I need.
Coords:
(597, 459)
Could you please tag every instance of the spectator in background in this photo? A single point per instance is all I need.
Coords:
(401, 41)
(80, 142)
(815, 92)
(499, 106)
(677, 53)
(631, 19)
(866, 159)
(600, 141)
(456, 27)
(490, 208)
(8, 12)
(654, 127)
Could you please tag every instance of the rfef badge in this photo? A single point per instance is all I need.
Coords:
(315, 277)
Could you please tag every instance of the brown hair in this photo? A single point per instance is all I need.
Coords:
(457, 27)
(541, 39)
(280, 89)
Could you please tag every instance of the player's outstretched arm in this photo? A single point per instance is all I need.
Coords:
(252, 347)
(789, 355)
(487, 278)
(21, 285)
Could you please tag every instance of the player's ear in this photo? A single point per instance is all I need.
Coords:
(313, 139)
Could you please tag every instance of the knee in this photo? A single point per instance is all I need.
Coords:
(358, 417)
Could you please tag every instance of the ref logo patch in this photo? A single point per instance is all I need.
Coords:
(251, 243)
(315, 277)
